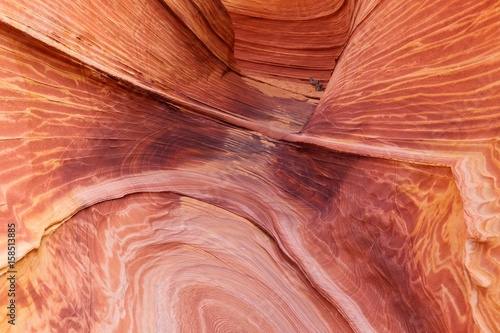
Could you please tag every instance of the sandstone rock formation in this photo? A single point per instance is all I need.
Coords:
(169, 167)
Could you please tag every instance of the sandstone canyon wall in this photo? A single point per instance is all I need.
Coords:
(167, 166)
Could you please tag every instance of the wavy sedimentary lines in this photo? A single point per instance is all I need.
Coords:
(434, 101)
(406, 220)
(173, 269)
(97, 157)
(437, 81)
(172, 40)
(285, 44)
(104, 119)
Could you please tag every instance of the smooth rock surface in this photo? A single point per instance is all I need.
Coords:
(170, 168)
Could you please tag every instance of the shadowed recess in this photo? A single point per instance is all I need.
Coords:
(250, 166)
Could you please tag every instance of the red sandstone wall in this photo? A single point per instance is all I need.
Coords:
(169, 167)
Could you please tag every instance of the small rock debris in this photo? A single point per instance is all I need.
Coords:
(316, 83)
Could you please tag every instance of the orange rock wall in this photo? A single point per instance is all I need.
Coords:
(170, 169)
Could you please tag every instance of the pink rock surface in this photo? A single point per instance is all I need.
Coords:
(169, 168)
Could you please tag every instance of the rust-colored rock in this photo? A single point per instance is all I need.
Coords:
(169, 167)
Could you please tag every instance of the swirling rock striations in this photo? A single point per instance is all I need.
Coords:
(289, 39)
(170, 169)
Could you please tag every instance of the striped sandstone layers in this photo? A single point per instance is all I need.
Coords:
(169, 168)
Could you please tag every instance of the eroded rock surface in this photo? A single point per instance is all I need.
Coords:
(169, 168)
